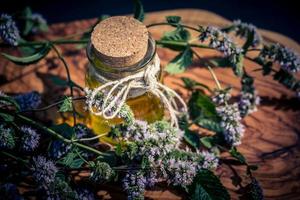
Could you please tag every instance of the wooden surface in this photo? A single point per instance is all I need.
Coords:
(272, 133)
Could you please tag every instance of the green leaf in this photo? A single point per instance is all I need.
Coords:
(208, 142)
(71, 160)
(207, 186)
(249, 41)
(64, 129)
(173, 19)
(210, 124)
(7, 117)
(138, 10)
(180, 62)
(192, 138)
(66, 105)
(202, 106)
(62, 82)
(191, 84)
(43, 51)
(200, 193)
(179, 34)
(220, 62)
(236, 154)
(27, 13)
(10, 101)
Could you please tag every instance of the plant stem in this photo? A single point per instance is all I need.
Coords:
(14, 157)
(182, 44)
(170, 24)
(51, 105)
(57, 135)
(69, 80)
(58, 42)
(92, 138)
(211, 71)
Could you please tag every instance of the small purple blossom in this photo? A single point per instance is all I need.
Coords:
(233, 129)
(221, 96)
(44, 171)
(134, 183)
(248, 102)
(9, 32)
(220, 41)
(30, 139)
(285, 57)
(209, 160)
(85, 194)
(27, 101)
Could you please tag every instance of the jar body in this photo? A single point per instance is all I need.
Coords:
(145, 106)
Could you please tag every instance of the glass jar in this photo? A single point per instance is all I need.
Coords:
(144, 105)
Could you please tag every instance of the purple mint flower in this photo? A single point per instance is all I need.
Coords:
(221, 96)
(85, 194)
(28, 101)
(233, 129)
(210, 161)
(9, 32)
(248, 102)
(44, 171)
(7, 140)
(180, 172)
(285, 57)
(134, 184)
(30, 139)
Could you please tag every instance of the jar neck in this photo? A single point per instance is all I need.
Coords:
(114, 73)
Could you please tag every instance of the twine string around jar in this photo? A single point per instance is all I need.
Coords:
(117, 92)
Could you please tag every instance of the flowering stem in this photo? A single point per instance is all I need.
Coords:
(57, 135)
(51, 105)
(69, 79)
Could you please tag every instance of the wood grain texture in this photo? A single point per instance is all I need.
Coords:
(272, 133)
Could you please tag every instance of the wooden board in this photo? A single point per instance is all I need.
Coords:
(272, 133)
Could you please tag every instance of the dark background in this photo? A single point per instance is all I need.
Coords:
(279, 16)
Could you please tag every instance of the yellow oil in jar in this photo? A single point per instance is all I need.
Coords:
(146, 107)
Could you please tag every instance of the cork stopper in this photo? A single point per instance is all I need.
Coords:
(120, 41)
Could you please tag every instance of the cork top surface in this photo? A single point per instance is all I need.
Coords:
(120, 40)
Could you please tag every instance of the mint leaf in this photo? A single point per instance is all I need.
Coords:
(138, 10)
(192, 138)
(191, 84)
(207, 186)
(42, 52)
(173, 19)
(179, 34)
(207, 142)
(180, 62)
(201, 106)
(66, 105)
(236, 154)
(210, 124)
